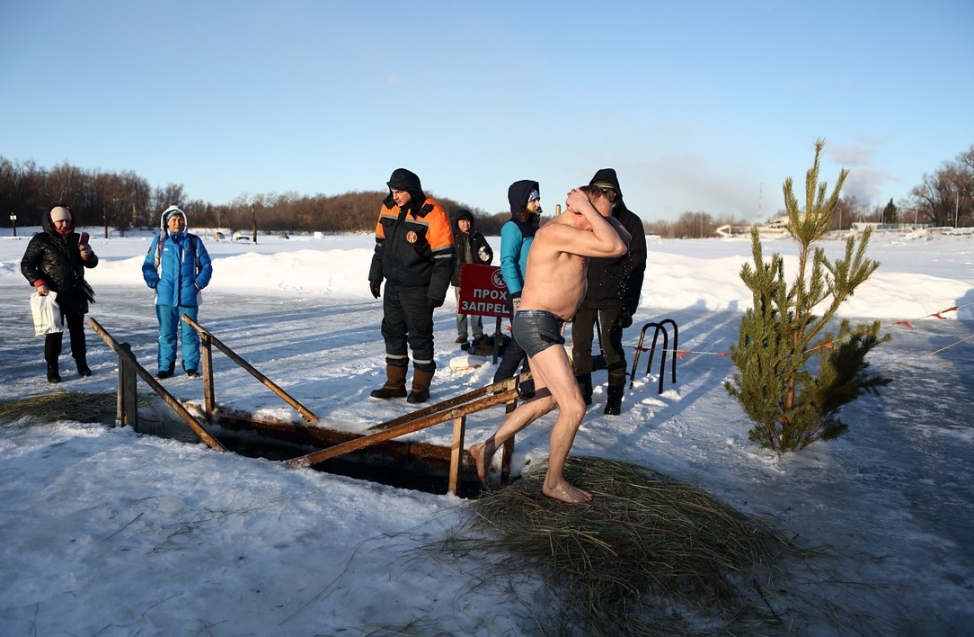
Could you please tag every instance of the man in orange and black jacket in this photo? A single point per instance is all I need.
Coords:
(415, 255)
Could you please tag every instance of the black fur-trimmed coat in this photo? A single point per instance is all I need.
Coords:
(57, 261)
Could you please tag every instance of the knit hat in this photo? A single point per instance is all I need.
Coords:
(60, 213)
(519, 193)
(534, 196)
(464, 214)
(172, 210)
(403, 179)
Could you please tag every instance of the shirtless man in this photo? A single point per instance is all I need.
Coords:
(554, 287)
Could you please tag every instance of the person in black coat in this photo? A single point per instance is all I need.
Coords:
(472, 248)
(415, 256)
(55, 261)
(614, 286)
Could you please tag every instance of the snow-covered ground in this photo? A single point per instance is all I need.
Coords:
(107, 532)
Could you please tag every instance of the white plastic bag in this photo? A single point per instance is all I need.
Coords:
(47, 314)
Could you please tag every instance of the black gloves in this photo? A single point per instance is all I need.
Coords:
(374, 288)
(434, 303)
(625, 318)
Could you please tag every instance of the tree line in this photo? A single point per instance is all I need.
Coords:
(126, 201)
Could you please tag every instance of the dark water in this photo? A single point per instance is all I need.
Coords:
(373, 470)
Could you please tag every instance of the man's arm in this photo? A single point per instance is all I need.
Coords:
(607, 238)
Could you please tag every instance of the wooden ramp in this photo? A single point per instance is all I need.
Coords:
(379, 440)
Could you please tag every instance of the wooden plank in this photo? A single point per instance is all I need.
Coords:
(400, 430)
(450, 403)
(296, 433)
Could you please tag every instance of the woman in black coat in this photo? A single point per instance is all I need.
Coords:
(55, 260)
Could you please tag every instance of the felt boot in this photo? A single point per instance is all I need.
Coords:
(421, 386)
(525, 390)
(395, 385)
(52, 350)
(613, 403)
(585, 385)
(82, 365)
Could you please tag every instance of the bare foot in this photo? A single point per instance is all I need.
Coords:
(564, 492)
(482, 454)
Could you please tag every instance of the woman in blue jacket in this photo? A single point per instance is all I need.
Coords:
(177, 267)
(517, 235)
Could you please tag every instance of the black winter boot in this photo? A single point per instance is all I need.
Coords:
(613, 403)
(52, 351)
(585, 385)
(525, 390)
(395, 385)
(421, 386)
(83, 369)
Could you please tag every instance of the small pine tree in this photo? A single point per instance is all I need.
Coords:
(793, 375)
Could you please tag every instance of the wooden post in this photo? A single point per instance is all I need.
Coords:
(456, 454)
(304, 411)
(508, 449)
(497, 342)
(206, 368)
(170, 400)
(120, 390)
(128, 398)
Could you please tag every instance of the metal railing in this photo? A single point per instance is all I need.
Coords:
(660, 328)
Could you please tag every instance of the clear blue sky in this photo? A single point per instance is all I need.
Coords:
(699, 105)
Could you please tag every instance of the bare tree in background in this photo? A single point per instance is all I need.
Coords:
(946, 197)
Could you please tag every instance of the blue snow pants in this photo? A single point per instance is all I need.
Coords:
(171, 325)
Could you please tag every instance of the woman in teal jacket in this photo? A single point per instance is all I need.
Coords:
(517, 235)
(177, 267)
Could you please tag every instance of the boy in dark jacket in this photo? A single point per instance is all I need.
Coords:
(472, 248)
(55, 261)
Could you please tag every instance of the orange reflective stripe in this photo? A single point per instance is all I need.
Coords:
(440, 233)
